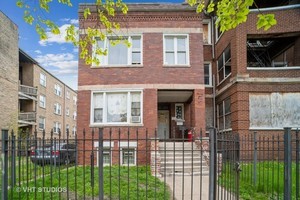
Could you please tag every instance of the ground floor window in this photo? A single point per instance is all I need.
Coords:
(224, 114)
(128, 156)
(116, 107)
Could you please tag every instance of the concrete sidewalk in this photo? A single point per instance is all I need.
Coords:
(188, 186)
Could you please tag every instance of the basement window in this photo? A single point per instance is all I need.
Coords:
(271, 52)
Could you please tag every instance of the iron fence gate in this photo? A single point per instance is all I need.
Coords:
(122, 163)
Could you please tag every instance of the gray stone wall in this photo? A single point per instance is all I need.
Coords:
(9, 73)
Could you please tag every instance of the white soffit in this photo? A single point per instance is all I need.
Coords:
(174, 96)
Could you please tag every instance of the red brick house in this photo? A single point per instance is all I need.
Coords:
(154, 83)
(167, 74)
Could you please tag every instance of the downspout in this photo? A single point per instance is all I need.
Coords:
(213, 78)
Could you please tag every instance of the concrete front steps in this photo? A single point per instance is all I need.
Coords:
(181, 158)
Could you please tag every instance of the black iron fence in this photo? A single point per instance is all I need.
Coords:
(133, 163)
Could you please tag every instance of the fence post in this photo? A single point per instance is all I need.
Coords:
(212, 164)
(254, 157)
(100, 164)
(13, 160)
(4, 155)
(287, 163)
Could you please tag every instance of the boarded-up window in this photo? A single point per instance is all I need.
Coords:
(274, 110)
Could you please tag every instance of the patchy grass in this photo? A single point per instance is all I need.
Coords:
(269, 180)
(119, 183)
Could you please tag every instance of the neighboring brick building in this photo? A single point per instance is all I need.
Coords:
(258, 73)
(9, 55)
(45, 102)
(153, 84)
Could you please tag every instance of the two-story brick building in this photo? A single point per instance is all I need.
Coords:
(151, 83)
(181, 67)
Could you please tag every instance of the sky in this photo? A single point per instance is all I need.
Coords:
(54, 54)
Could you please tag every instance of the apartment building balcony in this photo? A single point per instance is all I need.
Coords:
(27, 92)
(27, 118)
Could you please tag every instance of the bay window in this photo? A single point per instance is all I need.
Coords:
(117, 107)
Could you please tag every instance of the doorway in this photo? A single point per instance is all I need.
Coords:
(163, 124)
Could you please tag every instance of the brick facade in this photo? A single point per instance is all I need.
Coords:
(244, 81)
(31, 77)
(9, 71)
(151, 22)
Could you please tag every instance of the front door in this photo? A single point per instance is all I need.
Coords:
(163, 124)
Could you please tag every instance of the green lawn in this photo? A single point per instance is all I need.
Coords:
(123, 179)
(269, 180)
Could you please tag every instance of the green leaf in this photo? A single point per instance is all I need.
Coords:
(266, 21)
(20, 4)
(86, 13)
(211, 7)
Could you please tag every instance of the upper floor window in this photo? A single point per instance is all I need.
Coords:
(68, 94)
(67, 111)
(74, 115)
(57, 89)
(67, 128)
(74, 100)
(43, 79)
(206, 32)
(57, 108)
(272, 52)
(42, 101)
(118, 53)
(42, 123)
(224, 65)
(176, 50)
(74, 130)
(116, 107)
(207, 74)
(56, 127)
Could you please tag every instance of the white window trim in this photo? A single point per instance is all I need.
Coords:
(45, 79)
(67, 112)
(57, 91)
(187, 45)
(208, 22)
(106, 147)
(74, 130)
(128, 123)
(44, 101)
(129, 51)
(210, 74)
(56, 110)
(56, 127)
(124, 146)
(217, 37)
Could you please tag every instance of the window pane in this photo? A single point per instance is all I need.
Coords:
(220, 62)
(221, 74)
(181, 44)
(98, 115)
(117, 54)
(136, 58)
(128, 156)
(227, 106)
(206, 74)
(98, 100)
(169, 43)
(170, 58)
(181, 56)
(136, 42)
(106, 157)
(117, 107)
(227, 70)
